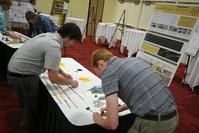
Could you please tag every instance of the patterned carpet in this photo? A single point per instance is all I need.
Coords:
(187, 101)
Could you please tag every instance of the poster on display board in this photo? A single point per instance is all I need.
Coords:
(17, 11)
(174, 20)
(170, 29)
(163, 68)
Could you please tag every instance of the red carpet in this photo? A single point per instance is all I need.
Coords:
(9, 110)
(187, 101)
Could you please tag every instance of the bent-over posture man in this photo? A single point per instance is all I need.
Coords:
(39, 24)
(142, 90)
(43, 52)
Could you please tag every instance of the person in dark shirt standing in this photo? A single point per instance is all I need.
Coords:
(39, 24)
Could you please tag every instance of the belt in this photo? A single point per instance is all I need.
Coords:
(19, 75)
(160, 117)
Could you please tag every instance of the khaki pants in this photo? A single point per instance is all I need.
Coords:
(141, 125)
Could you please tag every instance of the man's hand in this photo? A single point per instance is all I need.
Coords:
(97, 117)
(103, 111)
(59, 77)
(68, 76)
(74, 83)
(122, 107)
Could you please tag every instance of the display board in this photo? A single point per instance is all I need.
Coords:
(169, 31)
(17, 11)
(174, 20)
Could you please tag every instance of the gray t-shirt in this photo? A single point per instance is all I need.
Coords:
(40, 53)
(138, 86)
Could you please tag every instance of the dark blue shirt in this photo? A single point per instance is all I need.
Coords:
(43, 24)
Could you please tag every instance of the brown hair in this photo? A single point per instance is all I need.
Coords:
(29, 15)
(101, 54)
(70, 30)
(7, 2)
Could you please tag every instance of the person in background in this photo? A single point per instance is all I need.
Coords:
(5, 6)
(7, 20)
(39, 24)
(141, 89)
(42, 52)
(33, 2)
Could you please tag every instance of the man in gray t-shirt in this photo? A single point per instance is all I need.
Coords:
(43, 52)
(143, 91)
